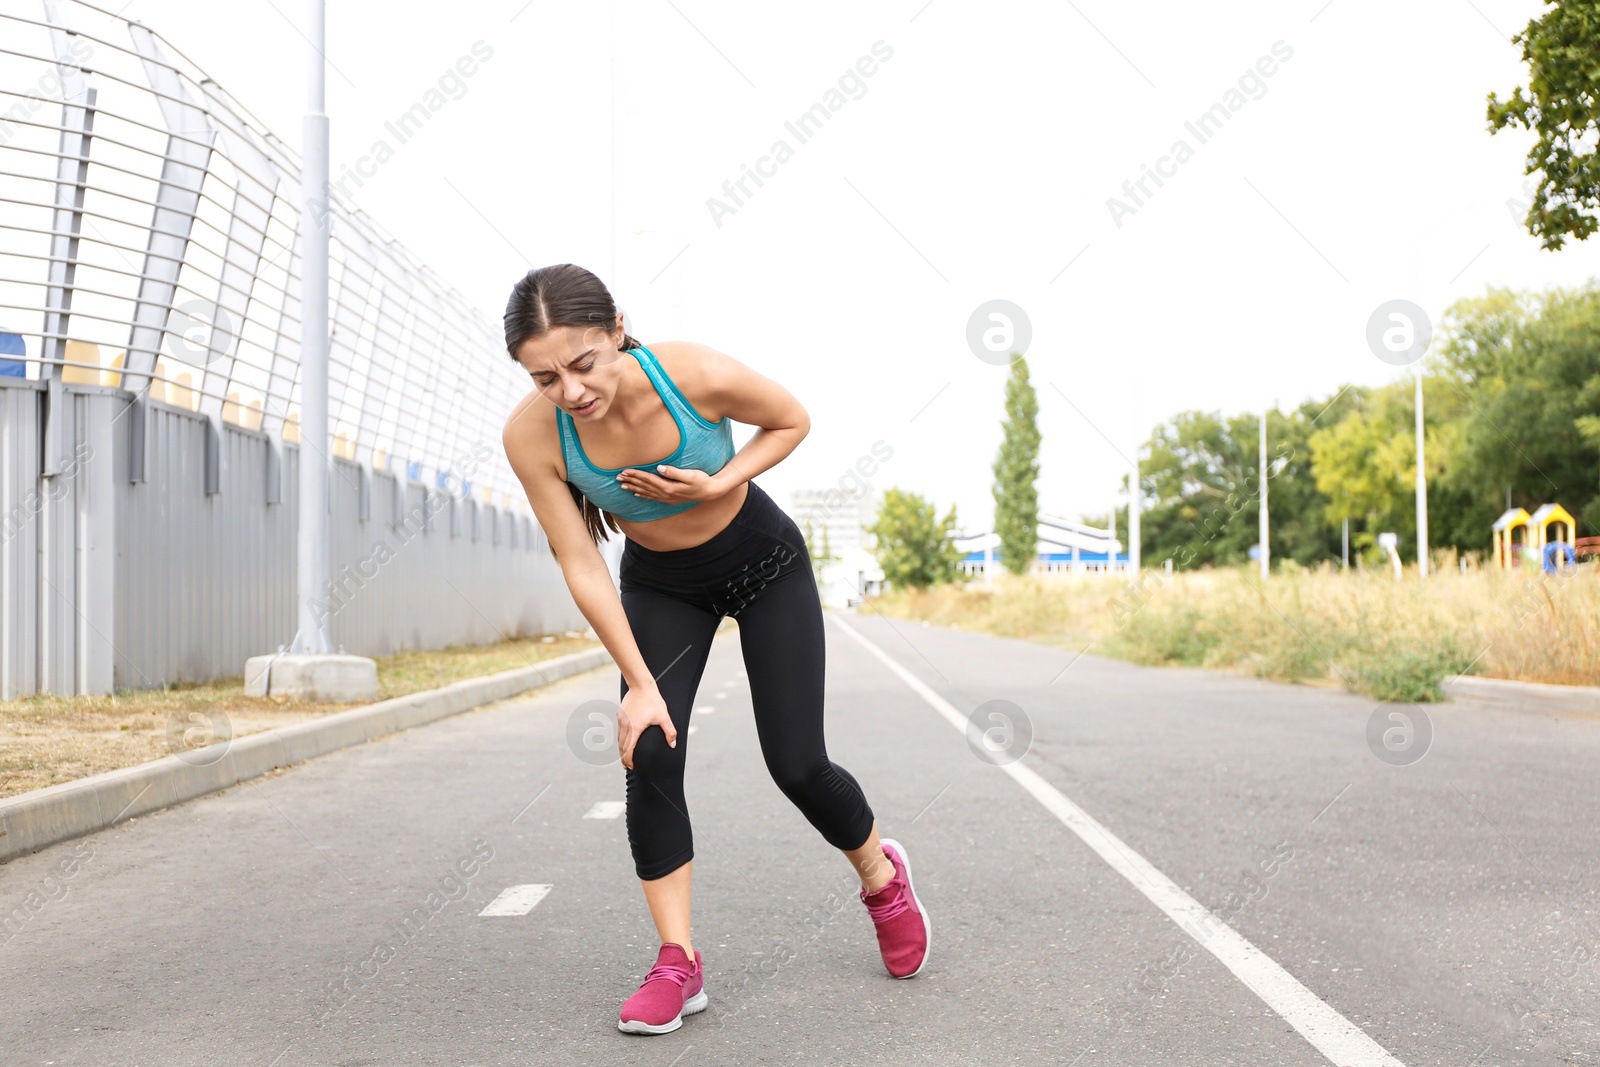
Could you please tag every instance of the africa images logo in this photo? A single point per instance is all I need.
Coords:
(740, 591)
(1203, 128)
(804, 127)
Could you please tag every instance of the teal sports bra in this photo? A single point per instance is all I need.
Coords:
(705, 446)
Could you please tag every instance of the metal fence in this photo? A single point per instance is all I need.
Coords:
(149, 395)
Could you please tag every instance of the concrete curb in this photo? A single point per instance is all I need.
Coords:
(31, 821)
(1524, 696)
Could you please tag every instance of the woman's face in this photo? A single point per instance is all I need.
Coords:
(576, 368)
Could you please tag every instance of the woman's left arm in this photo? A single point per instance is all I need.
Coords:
(717, 384)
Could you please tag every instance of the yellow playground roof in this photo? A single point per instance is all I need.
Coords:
(1512, 517)
(1549, 513)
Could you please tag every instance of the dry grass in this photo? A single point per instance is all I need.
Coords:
(1363, 630)
(45, 740)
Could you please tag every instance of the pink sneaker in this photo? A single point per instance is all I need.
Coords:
(675, 987)
(902, 922)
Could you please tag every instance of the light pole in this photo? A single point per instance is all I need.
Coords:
(1134, 505)
(1422, 490)
(611, 57)
(315, 222)
(307, 667)
(1133, 523)
(1261, 476)
(1422, 478)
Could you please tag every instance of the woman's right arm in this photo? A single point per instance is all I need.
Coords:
(587, 576)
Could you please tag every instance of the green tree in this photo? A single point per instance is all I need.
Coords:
(1365, 466)
(1201, 491)
(1194, 472)
(1016, 469)
(1300, 528)
(1525, 369)
(1562, 103)
(913, 548)
(1512, 409)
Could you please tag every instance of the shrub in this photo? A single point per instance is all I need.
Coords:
(1407, 669)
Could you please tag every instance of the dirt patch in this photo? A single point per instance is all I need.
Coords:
(48, 740)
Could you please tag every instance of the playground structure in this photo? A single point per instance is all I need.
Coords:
(1548, 515)
(1507, 549)
(1537, 547)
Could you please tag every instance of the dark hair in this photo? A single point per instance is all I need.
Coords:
(564, 295)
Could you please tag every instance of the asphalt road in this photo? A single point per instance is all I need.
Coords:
(1444, 906)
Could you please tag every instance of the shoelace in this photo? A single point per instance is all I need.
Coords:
(675, 972)
(885, 910)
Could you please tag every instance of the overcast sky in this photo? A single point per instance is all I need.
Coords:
(973, 163)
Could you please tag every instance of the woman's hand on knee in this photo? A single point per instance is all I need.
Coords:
(641, 709)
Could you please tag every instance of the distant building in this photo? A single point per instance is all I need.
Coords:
(1063, 546)
(833, 521)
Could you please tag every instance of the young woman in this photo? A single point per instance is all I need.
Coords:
(702, 541)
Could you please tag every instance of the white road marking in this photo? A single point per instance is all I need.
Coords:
(516, 900)
(693, 728)
(707, 710)
(1330, 1033)
(606, 809)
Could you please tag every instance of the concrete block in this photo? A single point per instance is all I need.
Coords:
(328, 679)
(255, 675)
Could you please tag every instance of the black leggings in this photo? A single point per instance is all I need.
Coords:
(757, 570)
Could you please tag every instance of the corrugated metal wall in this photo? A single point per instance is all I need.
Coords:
(19, 543)
(149, 583)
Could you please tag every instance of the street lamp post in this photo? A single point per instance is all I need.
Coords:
(1422, 491)
(307, 667)
(1261, 476)
(1134, 502)
(1133, 519)
(315, 222)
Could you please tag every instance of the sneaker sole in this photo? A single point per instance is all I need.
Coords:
(694, 1004)
(927, 927)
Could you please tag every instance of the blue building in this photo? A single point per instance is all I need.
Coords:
(1063, 547)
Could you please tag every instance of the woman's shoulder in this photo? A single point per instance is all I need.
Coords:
(529, 414)
(687, 355)
(692, 363)
(699, 371)
(530, 436)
